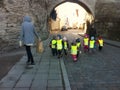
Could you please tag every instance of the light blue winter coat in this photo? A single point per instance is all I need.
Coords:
(28, 32)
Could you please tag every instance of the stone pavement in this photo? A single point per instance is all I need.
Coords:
(95, 71)
(99, 71)
(49, 73)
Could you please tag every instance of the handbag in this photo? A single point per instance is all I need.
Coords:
(39, 47)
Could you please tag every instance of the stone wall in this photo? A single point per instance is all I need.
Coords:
(107, 15)
(11, 16)
(12, 11)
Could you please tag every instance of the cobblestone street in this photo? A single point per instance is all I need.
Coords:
(95, 71)
(98, 71)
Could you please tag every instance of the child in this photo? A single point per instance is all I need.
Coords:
(52, 45)
(91, 44)
(74, 50)
(78, 43)
(59, 46)
(65, 45)
(85, 43)
(100, 43)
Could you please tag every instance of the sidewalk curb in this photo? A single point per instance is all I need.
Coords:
(65, 76)
(111, 44)
(107, 42)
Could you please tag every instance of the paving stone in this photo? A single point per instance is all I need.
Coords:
(39, 83)
(41, 76)
(6, 89)
(56, 88)
(54, 76)
(39, 88)
(7, 84)
(55, 83)
(27, 76)
(20, 89)
(24, 83)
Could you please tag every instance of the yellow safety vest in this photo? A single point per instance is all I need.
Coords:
(92, 42)
(101, 42)
(86, 41)
(65, 45)
(73, 50)
(53, 43)
(59, 44)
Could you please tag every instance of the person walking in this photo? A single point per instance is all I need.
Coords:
(74, 50)
(100, 43)
(91, 44)
(78, 43)
(85, 43)
(53, 46)
(59, 46)
(65, 45)
(27, 37)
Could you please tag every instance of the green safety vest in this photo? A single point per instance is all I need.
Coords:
(101, 42)
(74, 49)
(59, 44)
(53, 43)
(78, 44)
(92, 43)
(86, 41)
(65, 45)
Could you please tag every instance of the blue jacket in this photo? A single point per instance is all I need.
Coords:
(28, 31)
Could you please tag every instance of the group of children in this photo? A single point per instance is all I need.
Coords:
(59, 45)
(91, 43)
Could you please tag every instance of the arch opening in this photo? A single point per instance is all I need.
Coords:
(70, 15)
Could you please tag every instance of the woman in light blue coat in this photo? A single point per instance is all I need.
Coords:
(27, 36)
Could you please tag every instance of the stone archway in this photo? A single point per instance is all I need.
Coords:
(85, 4)
(89, 5)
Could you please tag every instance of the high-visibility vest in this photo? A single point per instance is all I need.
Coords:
(59, 44)
(53, 43)
(65, 45)
(101, 42)
(86, 41)
(78, 44)
(74, 49)
(92, 43)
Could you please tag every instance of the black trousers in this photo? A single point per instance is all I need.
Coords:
(78, 54)
(59, 52)
(29, 54)
(65, 51)
(54, 51)
(100, 48)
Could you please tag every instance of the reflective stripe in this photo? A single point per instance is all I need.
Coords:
(59, 44)
(86, 41)
(53, 43)
(73, 50)
(101, 42)
(92, 42)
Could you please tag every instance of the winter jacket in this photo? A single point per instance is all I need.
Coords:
(28, 31)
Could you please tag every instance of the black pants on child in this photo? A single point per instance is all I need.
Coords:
(59, 53)
(100, 48)
(54, 51)
(65, 51)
